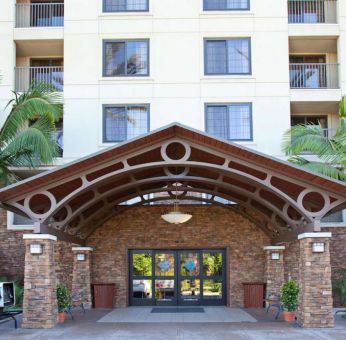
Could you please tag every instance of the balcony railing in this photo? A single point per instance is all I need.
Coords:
(312, 11)
(314, 76)
(40, 15)
(24, 76)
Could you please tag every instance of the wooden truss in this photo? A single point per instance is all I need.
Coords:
(73, 201)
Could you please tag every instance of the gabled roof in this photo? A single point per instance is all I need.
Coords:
(94, 186)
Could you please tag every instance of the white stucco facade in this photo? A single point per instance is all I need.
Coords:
(177, 88)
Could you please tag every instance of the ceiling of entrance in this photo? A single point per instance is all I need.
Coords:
(72, 201)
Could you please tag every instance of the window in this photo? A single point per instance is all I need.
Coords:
(230, 56)
(126, 58)
(229, 121)
(226, 5)
(312, 120)
(125, 5)
(123, 122)
(18, 222)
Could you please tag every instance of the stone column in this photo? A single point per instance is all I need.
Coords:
(274, 269)
(81, 282)
(40, 308)
(315, 307)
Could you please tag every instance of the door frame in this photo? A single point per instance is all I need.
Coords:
(178, 300)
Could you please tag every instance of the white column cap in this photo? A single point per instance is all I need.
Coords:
(39, 237)
(82, 249)
(314, 235)
(274, 248)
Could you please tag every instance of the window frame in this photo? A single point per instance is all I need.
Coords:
(225, 9)
(12, 226)
(104, 10)
(206, 40)
(249, 104)
(105, 41)
(105, 106)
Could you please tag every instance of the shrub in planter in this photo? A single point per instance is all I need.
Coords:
(289, 299)
(339, 286)
(64, 300)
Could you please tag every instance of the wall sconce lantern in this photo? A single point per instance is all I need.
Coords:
(36, 248)
(275, 256)
(80, 257)
(318, 247)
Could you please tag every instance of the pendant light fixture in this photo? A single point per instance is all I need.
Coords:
(176, 216)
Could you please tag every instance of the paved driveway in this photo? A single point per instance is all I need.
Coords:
(87, 327)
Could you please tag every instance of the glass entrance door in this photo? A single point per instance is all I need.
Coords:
(177, 277)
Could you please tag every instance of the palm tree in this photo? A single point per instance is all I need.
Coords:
(330, 150)
(27, 137)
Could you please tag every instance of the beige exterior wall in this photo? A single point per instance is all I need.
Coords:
(177, 88)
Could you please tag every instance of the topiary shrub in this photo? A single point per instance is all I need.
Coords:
(339, 286)
(289, 295)
(64, 297)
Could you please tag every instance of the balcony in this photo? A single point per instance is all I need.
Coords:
(314, 76)
(24, 76)
(312, 11)
(40, 15)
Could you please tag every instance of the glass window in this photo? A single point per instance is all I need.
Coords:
(142, 264)
(222, 5)
(212, 264)
(230, 56)
(189, 264)
(20, 220)
(164, 290)
(125, 5)
(142, 289)
(126, 58)
(190, 288)
(212, 289)
(164, 264)
(125, 122)
(229, 121)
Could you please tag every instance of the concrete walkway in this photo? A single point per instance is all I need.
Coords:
(87, 327)
(210, 314)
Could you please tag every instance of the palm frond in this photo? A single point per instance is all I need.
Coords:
(320, 167)
(37, 140)
(38, 101)
(311, 138)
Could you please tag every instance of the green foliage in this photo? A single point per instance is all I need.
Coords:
(142, 264)
(289, 295)
(22, 145)
(330, 151)
(212, 263)
(339, 286)
(64, 297)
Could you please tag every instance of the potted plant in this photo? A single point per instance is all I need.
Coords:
(64, 301)
(289, 299)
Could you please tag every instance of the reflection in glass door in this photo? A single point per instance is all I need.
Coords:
(183, 277)
(165, 285)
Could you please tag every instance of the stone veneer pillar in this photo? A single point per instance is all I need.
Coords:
(81, 282)
(315, 307)
(274, 270)
(40, 308)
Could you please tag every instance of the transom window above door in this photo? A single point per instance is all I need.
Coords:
(227, 56)
(229, 121)
(125, 58)
(125, 5)
(226, 5)
(123, 122)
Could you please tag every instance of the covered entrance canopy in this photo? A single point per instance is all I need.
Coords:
(73, 200)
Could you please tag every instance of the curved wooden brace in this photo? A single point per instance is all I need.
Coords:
(189, 189)
(216, 184)
(190, 198)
